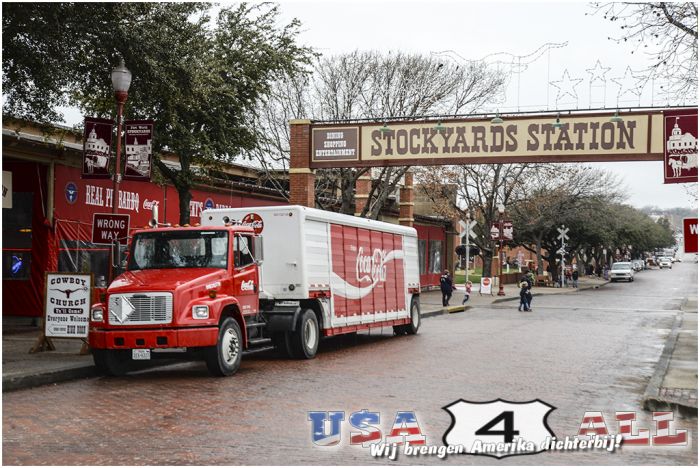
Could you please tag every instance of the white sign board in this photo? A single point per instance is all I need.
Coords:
(67, 305)
(486, 285)
(7, 189)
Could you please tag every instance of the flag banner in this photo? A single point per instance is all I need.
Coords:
(97, 144)
(138, 135)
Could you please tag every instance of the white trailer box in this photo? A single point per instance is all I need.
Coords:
(368, 269)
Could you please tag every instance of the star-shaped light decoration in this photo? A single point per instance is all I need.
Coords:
(630, 83)
(598, 72)
(566, 86)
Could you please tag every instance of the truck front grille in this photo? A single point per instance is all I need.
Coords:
(140, 309)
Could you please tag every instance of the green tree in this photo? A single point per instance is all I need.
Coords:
(198, 78)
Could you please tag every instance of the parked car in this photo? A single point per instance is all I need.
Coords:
(620, 271)
(637, 265)
(665, 262)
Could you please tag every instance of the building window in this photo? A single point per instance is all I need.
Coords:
(421, 257)
(17, 237)
(435, 257)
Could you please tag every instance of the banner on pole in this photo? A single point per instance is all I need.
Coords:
(97, 148)
(681, 141)
(138, 135)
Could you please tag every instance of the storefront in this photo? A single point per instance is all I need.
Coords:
(49, 224)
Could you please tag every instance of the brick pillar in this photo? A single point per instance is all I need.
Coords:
(301, 178)
(406, 201)
(363, 184)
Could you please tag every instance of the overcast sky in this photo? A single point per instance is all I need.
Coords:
(474, 30)
(574, 48)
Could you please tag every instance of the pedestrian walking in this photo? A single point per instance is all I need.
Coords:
(524, 304)
(574, 278)
(529, 280)
(567, 277)
(446, 286)
(467, 292)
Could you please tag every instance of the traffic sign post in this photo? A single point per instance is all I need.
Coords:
(469, 229)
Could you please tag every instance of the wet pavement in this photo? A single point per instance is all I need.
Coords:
(592, 350)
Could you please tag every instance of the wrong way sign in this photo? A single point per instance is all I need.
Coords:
(690, 235)
(110, 227)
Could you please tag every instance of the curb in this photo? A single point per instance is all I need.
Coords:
(22, 382)
(652, 401)
(445, 311)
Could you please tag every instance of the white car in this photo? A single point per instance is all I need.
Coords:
(621, 271)
(665, 262)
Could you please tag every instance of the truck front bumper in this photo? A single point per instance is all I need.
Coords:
(150, 338)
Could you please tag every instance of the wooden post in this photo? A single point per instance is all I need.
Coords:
(302, 179)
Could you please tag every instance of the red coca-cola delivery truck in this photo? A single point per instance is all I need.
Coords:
(254, 277)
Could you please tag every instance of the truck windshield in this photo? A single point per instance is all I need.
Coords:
(179, 249)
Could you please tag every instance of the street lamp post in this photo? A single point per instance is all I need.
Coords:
(501, 210)
(121, 80)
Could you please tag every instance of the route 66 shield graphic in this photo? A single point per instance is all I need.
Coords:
(499, 428)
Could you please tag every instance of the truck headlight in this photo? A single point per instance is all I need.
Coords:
(200, 312)
(97, 313)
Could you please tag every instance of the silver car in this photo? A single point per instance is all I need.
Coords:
(621, 271)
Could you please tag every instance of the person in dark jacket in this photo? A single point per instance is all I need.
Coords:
(574, 278)
(446, 286)
(524, 294)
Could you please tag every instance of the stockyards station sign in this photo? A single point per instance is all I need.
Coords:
(576, 137)
(67, 305)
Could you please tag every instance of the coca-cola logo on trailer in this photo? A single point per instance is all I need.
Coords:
(371, 268)
(253, 220)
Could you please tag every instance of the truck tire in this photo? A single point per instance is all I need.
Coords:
(224, 359)
(410, 328)
(115, 362)
(304, 341)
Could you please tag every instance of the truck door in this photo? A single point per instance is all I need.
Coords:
(245, 274)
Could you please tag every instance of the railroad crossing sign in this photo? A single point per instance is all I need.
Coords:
(562, 233)
(469, 228)
(561, 251)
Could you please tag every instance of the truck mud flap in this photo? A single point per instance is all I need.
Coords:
(282, 318)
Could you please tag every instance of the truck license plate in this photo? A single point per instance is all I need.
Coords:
(141, 354)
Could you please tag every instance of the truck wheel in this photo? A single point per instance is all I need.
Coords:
(225, 358)
(304, 342)
(411, 328)
(115, 362)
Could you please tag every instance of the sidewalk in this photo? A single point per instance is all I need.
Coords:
(674, 384)
(23, 370)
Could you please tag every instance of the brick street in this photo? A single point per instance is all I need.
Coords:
(589, 351)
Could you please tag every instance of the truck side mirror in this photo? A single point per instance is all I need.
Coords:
(116, 255)
(258, 249)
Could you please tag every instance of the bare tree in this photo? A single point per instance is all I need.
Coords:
(480, 189)
(668, 31)
(368, 85)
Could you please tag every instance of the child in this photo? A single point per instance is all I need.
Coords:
(524, 292)
(467, 292)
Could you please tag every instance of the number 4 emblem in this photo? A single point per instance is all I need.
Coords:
(499, 428)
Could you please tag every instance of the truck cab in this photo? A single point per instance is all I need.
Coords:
(185, 289)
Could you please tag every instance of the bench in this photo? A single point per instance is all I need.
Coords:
(543, 280)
